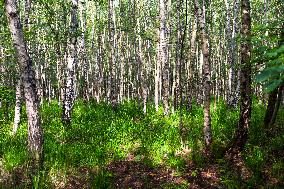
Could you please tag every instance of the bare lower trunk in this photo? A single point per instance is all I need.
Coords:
(112, 60)
(69, 95)
(177, 89)
(206, 74)
(19, 87)
(192, 70)
(245, 81)
(35, 135)
(157, 79)
(18, 106)
(163, 56)
(83, 52)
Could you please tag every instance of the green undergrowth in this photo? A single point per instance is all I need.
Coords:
(100, 135)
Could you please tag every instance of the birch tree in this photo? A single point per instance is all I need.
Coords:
(35, 133)
(241, 135)
(206, 71)
(112, 61)
(163, 55)
(19, 87)
(69, 95)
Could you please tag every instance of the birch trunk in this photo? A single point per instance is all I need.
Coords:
(19, 88)
(206, 73)
(112, 61)
(191, 75)
(18, 105)
(245, 81)
(163, 56)
(83, 53)
(177, 89)
(69, 96)
(35, 133)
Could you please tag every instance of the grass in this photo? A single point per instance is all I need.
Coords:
(87, 153)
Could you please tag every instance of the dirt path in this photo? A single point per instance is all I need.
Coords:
(130, 174)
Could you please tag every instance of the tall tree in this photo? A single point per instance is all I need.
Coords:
(192, 63)
(35, 133)
(112, 61)
(177, 89)
(241, 134)
(69, 95)
(19, 86)
(163, 55)
(206, 71)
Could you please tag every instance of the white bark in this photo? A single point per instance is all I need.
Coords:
(35, 136)
(69, 96)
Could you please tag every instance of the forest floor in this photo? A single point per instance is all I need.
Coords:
(122, 148)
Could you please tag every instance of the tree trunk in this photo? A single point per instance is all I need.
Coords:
(18, 105)
(112, 61)
(69, 96)
(233, 68)
(230, 63)
(83, 52)
(35, 133)
(19, 87)
(192, 71)
(163, 56)
(241, 134)
(177, 89)
(206, 73)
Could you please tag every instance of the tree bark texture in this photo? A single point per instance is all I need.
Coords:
(69, 95)
(206, 73)
(245, 79)
(112, 61)
(163, 56)
(35, 133)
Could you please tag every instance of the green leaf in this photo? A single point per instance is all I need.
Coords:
(280, 50)
(275, 62)
(273, 84)
(266, 74)
(280, 68)
(271, 55)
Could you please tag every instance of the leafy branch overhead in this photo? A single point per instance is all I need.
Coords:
(273, 74)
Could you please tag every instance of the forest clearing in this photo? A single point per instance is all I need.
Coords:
(141, 94)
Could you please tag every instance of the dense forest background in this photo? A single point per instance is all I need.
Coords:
(141, 94)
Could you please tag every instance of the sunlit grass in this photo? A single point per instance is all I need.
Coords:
(99, 135)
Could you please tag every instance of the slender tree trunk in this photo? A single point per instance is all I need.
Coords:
(35, 133)
(241, 134)
(206, 73)
(191, 75)
(157, 79)
(177, 88)
(231, 82)
(19, 88)
(142, 67)
(83, 53)
(233, 68)
(69, 96)
(112, 61)
(163, 56)
(18, 105)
